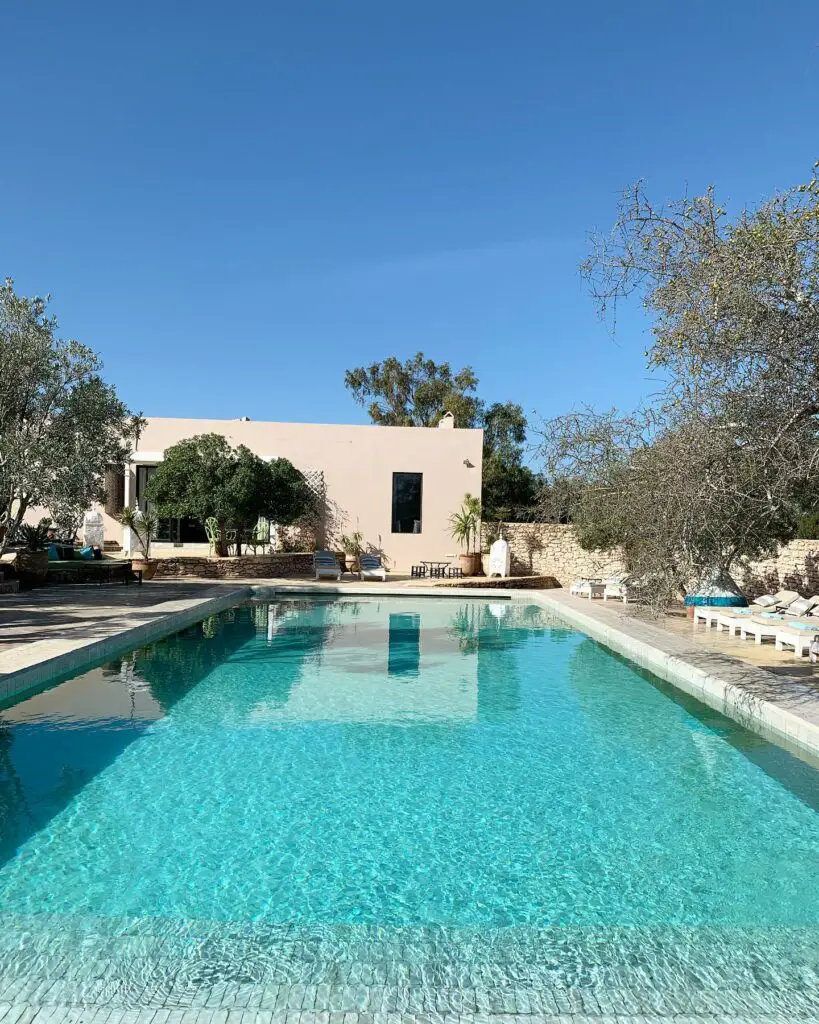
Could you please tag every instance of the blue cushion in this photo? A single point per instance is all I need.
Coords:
(53, 553)
(87, 554)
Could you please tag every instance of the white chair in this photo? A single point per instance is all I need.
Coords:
(370, 568)
(325, 564)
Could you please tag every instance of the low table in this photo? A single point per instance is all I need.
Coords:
(437, 570)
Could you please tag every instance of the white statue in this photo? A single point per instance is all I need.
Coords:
(499, 559)
(93, 532)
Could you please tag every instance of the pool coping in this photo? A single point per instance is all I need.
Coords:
(780, 708)
(47, 660)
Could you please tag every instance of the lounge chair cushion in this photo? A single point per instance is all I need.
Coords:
(801, 606)
(766, 601)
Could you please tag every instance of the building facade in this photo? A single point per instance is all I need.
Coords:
(397, 486)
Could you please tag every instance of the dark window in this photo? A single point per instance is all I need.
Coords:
(406, 502)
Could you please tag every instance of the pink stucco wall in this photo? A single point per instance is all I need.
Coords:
(358, 463)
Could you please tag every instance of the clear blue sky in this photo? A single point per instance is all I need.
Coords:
(234, 202)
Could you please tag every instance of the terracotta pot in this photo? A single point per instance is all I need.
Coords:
(470, 564)
(32, 567)
(148, 569)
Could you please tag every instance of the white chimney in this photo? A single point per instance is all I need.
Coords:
(447, 421)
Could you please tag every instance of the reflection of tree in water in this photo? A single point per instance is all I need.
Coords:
(16, 818)
(494, 631)
(173, 666)
(269, 644)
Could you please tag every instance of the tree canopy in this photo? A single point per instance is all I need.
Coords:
(714, 472)
(508, 484)
(61, 425)
(203, 477)
(417, 393)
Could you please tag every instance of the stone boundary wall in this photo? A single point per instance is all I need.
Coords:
(549, 549)
(796, 567)
(286, 565)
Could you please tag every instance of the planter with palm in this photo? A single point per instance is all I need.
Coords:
(31, 563)
(143, 526)
(352, 548)
(465, 527)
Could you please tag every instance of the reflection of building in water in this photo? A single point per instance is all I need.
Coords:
(377, 664)
(404, 656)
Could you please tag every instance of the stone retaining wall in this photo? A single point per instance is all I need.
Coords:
(548, 549)
(274, 566)
(507, 583)
(796, 567)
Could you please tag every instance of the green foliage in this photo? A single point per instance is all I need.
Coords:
(719, 469)
(465, 524)
(61, 425)
(143, 526)
(415, 393)
(418, 392)
(203, 477)
(807, 526)
(352, 544)
(35, 538)
(508, 484)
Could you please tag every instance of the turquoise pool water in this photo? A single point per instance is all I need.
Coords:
(463, 785)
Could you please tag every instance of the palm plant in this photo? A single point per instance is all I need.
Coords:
(143, 526)
(465, 524)
(35, 538)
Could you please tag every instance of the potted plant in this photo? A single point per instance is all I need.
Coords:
(31, 563)
(143, 526)
(352, 547)
(465, 526)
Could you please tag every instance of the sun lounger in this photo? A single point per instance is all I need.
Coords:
(326, 565)
(765, 626)
(803, 606)
(616, 590)
(370, 568)
(587, 588)
(796, 635)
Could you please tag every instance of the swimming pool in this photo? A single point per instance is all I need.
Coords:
(407, 804)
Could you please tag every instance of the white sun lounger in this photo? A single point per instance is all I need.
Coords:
(615, 589)
(325, 564)
(799, 639)
(370, 568)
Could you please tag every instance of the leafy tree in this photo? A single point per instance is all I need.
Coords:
(61, 425)
(710, 475)
(508, 484)
(415, 393)
(203, 477)
(418, 392)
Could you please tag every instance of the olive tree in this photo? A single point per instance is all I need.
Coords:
(713, 471)
(203, 477)
(61, 425)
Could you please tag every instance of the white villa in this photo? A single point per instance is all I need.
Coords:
(397, 486)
